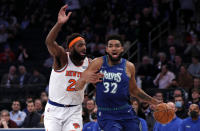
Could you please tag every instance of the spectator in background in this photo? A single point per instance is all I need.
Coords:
(16, 115)
(195, 97)
(32, 119)
(28, 99)
(173, 125)
(7, 56)
(146, 73)
(3, 33)
(196, 83)
(24, 76)
(48, 62)
(37, 78)
(159, 96)
(9, 79)
(170, 42)
(185, 79)
(136, 106)
(192, 123)
(85, 115)
(93, 125)
(164, 78)
(44, 98)
(175, 67)
(193, 48)
(5, 121)
(194, 68)
(38, 106)
(37, 82)
(171, 55)
(162, 60)
(22, 55)
(90, 105)
(181, 112)
(147, 110)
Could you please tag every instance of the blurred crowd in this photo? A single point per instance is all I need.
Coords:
(172, 73)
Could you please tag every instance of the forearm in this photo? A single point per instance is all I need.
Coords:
(51, 37)
(80, 84)
(140, 94)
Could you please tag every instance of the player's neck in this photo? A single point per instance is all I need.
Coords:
(76, 61)
(112, 63)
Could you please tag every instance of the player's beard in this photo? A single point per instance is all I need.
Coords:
(115, 59)
(77, 55)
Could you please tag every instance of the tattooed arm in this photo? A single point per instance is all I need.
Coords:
(134, 90)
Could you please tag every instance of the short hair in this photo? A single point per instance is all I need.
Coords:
(30, 102)
(4, 110)
(114, 37)
(16, 101)
(195, 90)
(73, 36)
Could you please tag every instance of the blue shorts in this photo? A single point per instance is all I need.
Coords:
(120, 125)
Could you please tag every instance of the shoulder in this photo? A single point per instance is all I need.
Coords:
(98, 60)
(130, 66)
(186, 120)
(95, 64)
(142, 120)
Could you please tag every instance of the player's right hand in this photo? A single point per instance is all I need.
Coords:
(62, 17)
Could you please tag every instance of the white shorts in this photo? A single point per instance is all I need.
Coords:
(63, 118)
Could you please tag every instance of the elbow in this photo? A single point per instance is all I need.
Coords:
(47, 41)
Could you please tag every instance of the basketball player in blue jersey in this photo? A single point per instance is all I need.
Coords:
(113, 92)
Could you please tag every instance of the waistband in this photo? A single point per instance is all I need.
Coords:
(113, 109)
(59, 105)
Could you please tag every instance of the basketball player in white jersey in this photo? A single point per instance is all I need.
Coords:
(63, 111)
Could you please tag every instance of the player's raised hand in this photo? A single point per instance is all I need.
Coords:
(62, 17)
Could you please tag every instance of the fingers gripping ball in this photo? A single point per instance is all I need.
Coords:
(163, 113)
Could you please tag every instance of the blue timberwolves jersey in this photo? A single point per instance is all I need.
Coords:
(112, 94)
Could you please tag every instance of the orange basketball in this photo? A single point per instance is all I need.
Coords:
(163, 113)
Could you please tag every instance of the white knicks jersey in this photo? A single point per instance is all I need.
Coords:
(62, 83)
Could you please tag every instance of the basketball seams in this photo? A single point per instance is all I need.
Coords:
(163, 113)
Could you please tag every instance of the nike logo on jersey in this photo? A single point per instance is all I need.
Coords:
(121, 69)
(73, 73)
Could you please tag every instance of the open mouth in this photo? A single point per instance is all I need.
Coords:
(83, 53)
(114, 54)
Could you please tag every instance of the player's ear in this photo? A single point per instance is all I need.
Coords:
(106, 49)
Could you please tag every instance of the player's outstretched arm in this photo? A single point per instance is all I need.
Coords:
(90, 75)
(52, 45)
(137, 92)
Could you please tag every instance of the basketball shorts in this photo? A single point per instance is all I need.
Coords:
(63, 118)
(120, 125)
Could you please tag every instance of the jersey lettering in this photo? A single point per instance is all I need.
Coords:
(73, 73)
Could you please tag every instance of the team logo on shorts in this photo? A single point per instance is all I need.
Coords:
(76, 125)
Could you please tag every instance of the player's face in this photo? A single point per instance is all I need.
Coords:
(79, 50)
(114, 50)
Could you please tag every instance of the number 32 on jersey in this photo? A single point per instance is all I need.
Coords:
(110, 87)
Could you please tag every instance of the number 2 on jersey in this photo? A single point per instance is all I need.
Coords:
(72, 83)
